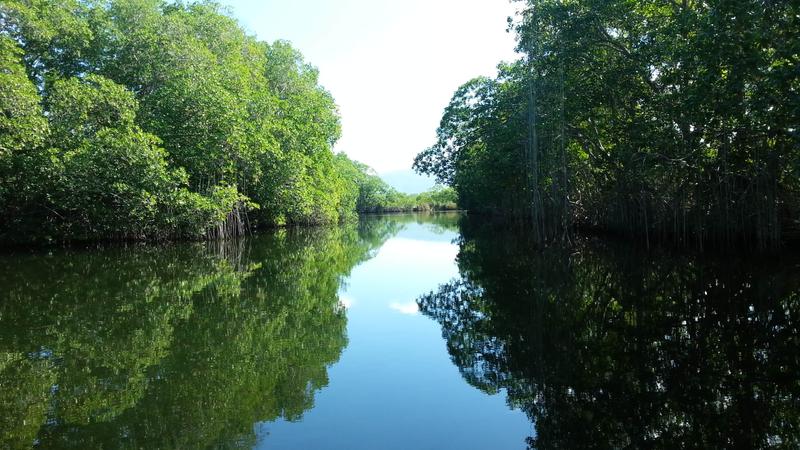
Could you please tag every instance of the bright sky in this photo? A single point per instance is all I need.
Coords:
(392, 66)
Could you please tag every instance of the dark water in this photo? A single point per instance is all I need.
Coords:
(400, 332)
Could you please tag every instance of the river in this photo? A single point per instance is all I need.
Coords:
(398, 332)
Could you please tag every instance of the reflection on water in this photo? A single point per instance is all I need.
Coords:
(178, 347)
(230, 345)
(604, 347)
(394, 387)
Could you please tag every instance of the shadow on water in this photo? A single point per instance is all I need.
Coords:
(604, 346)
(185, 346)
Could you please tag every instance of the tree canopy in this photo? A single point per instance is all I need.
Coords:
(148, 119)
(673, 120)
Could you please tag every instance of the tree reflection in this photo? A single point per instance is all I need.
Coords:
(604, 347)
(178, 347)
(438, 222)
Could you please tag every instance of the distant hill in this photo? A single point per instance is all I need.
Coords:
(408, 181)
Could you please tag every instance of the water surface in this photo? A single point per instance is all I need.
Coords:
(407, 331)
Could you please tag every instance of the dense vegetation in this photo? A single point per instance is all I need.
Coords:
(375, 195)
(607, 347)
(145, 119)
(662, 119)
(177, 347)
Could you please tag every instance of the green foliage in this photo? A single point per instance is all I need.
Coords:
(23, 129)
(21, 123)
(113, 176)
(437, 198)
(662, 120)
(373, 195)
(141, 119)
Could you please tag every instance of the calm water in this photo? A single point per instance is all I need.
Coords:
(402, 332)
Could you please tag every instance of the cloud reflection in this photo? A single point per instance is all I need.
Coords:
(409, 308)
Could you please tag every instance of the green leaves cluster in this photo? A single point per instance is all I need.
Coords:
(373, 195)
(661, 119)
(147, 119)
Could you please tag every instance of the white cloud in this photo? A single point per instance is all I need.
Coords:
(391, 66)
(410, 308)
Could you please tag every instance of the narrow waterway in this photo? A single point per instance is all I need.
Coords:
(395, 386)
(399, 332)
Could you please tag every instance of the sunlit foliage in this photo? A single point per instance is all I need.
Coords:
(145, 119)
(373, 195)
